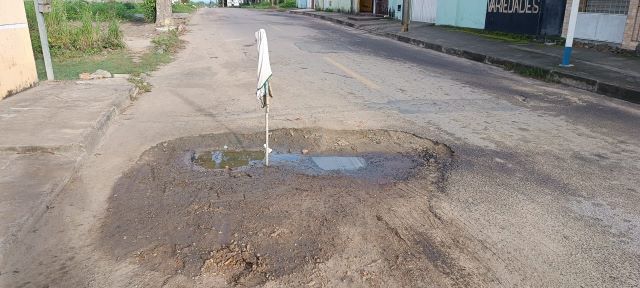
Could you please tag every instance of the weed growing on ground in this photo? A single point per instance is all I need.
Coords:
(101, 11)
(502, 36)
(288, 4)
(80, 34)
(113, 37)
(167, 42)
(142, 85)
(532, 72)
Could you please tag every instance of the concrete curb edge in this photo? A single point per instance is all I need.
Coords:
(87, 145)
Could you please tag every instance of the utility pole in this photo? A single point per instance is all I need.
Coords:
(406, 12)
(41, 7)
(568, 44)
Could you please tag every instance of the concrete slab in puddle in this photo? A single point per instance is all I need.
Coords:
(339, 163)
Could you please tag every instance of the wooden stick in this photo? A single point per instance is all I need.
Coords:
(266, 125)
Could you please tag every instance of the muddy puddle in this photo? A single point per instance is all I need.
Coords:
(378, 166)
(244, 159)
(331, 206)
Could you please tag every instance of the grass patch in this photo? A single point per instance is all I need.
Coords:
(260, 5)
(531, 72)
(494, 35)
(116, 61)
(184, 8)
(287, 4)
(81, 31)
(101, 11)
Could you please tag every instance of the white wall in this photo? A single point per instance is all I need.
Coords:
(424, 10)
(601, 27)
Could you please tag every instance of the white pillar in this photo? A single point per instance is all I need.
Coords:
(568, 44)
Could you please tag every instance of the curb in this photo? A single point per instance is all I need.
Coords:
(532, 71)
(85, 147)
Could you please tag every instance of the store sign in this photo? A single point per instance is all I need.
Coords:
(514, 16)
(514, 6)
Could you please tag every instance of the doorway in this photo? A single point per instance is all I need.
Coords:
(382, 7)
(366, 6)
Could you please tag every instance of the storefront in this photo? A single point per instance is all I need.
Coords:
(532, 17)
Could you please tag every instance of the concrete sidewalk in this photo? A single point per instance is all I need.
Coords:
(46, 132)
(603, 73)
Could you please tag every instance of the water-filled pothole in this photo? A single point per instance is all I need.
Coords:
(348, 194)
(244, 159)
(224, 159)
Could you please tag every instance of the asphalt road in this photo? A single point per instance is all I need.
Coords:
(543, 187)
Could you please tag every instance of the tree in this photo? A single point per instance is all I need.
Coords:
(163, 12)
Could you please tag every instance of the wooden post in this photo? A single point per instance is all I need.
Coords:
(406, 15)
(266, 125)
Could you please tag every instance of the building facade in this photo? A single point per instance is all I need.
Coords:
(17, 65)
(462, 13)
(530, 17)
(611, 21)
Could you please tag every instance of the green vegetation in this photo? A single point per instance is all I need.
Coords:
(184, 8)
(167, 42)
(70, 68)
(531, 72)
(289, 5)
(286, 4)
(260, 5)
(80, 31)
(148, 8)
(501, 36)
(101, 11)
(86, 36)
(117, 62)
(139, 82)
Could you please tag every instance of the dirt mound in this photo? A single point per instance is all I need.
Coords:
(238, 263)
(279, 225)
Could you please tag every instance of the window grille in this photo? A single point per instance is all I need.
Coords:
(605, 6)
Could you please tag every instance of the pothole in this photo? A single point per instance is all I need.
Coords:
(316, 209)
(226, 159)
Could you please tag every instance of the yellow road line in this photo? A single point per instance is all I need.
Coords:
(370, 84)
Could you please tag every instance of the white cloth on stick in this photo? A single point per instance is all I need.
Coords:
(264, 66)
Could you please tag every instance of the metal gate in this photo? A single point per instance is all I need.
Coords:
(602, 20)
(424, 10)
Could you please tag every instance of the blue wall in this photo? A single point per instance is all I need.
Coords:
(462, 13)
(393, 4)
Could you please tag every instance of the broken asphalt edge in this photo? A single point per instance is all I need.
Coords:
(84, 148)
(542, 73)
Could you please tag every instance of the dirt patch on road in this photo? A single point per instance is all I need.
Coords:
(285, 226)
